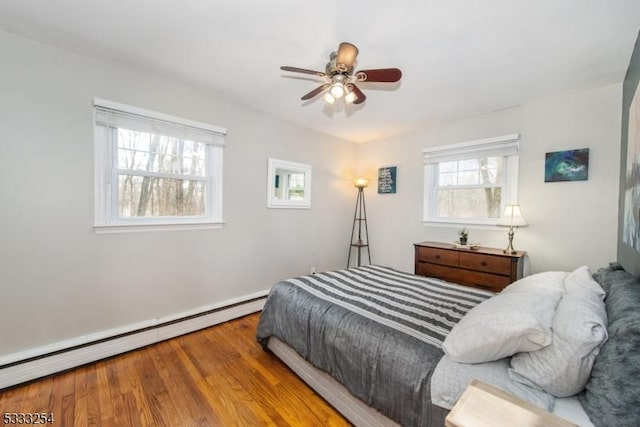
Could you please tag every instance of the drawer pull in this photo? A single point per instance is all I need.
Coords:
(483, 263)
(437, 256)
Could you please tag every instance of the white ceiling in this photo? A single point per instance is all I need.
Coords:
(459, 58)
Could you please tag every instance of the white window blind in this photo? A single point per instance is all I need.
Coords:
(177, 128)
(491, 147)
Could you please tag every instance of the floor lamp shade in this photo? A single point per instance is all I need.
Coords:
(360, 182)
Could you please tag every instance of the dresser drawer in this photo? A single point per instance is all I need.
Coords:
(491, 282)
(488, 263)
(487, 281)
(437, 256)
(488, 268)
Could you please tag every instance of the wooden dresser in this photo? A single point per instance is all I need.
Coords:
(487, 268)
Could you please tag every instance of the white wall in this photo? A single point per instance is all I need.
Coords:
(59, 280)
(571, 223)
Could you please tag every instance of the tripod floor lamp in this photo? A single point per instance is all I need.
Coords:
(361, 241)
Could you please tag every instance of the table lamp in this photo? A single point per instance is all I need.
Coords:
(512, 218)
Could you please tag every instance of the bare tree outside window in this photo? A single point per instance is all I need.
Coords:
(470, 188)
(159, 175)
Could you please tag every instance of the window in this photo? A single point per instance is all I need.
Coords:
(471, 182)
(155, 171)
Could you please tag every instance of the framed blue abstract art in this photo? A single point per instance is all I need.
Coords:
(568, 165)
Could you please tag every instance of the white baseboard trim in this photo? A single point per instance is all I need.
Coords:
(63, 358)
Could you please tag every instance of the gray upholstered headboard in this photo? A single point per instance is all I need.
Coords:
(629, 230)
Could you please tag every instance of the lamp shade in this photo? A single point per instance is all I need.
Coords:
(361, 182)
(512, 217)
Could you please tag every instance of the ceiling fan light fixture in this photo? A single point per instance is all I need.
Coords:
(337, 90)
(328, 98)
(350, 97)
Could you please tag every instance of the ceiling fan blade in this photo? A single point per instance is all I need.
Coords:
(316, 91)
(302, 70)
(360, 97)
(346, 56)
(383, 75)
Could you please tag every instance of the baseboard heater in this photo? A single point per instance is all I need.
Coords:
(39, 364)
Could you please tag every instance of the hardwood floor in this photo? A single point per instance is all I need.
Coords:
(219, 376)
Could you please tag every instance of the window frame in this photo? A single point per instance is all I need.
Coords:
(506, 146)
(107, 218)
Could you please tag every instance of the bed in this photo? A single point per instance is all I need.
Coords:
(371, 340)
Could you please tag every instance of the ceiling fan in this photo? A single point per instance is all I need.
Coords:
(340, 79)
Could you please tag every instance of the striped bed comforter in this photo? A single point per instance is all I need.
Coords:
(376, 330)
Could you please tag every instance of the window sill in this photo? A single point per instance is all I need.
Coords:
(288, 206)
(154, 227)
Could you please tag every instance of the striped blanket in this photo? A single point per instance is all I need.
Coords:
(422, 307)
(376, 330)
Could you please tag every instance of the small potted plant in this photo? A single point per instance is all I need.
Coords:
(464, 234)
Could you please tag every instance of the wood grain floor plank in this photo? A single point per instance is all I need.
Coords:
(134, 364)
(219, 376)
(80, 398)
(295, 391)
(64, 392)
(229, 377)
(104, 396)
(254, 381)
(40, 401)
(11, 400)
(30, 396)
(94, 418)
(242, 339)
(184, 390)
(216, 396)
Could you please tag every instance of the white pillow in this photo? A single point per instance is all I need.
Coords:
(516, 320)
(579, 329)
(581, 278)
(547, 279)
(450, 379)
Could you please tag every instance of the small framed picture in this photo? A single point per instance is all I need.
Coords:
(568, 165)
(387, 180)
